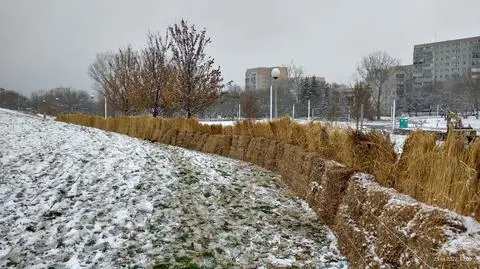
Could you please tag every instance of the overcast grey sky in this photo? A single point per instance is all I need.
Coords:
(50, 43)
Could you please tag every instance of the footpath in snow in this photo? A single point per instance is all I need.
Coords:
(77, 197)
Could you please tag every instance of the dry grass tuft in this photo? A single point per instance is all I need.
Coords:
(317, 138)
(445, 175)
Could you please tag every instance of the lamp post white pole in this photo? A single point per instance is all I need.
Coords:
(275, 74)
(105, 106)
(271, 99)
(361, 117)
(393, 114)
(308, 113)
(293, 111)
(239, 111)
(276, 104)
(44, 109)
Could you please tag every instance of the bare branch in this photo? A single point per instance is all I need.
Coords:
(198, 84)
(376, 69)
(156, 72)
(295, 77)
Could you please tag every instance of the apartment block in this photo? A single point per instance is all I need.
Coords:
(260, 77)
(445, 60)
(403, 84)
(320, 79)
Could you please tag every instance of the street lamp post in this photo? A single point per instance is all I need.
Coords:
(239, 111)
(308, 112)
(56, 105)
(275, 74)
(105, 98)
(276, 103)
(393, 114)
(394, 99)
(44, 109)
(92, 104)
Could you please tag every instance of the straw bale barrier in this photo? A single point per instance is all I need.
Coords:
(239, 147)
(377, 226)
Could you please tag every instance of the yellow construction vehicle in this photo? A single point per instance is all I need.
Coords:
(455, 125)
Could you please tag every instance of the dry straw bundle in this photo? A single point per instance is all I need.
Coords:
(446, 175)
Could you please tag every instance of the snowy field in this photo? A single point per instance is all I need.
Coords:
(77, 197)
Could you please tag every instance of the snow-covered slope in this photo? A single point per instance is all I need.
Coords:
(78, 197)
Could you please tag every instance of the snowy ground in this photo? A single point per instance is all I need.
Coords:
(76, 197)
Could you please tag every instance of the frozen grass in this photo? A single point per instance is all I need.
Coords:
(446, 175)
(79, 197)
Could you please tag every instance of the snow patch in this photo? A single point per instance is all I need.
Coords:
(145, 206)
(83, 197)
(73, 263)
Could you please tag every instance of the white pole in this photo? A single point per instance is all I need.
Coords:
(308, 114)
(239, 112)
(271, 100)
(393, 115)
(276, 104)
(438, 108)
(293, 111)
(105, 107)
(44, 109)
(361, 117)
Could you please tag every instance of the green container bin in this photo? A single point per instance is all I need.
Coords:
(403, 122)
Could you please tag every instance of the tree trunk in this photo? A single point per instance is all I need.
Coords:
(357, 123)
(125, 109)
(378, 102)
(476, 106)
(189, 114)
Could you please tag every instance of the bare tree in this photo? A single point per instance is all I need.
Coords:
(234, 88)
(227, 103)
(156, 72)
(100, 71)
(471, 89)
(376, 69)
(127, 68)
(103, 74)
(118, 76)
(361, 95)
(250, 105)
(12, 100)
(198, 83)
(453, 95)
(295, 77)
(63, 99)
